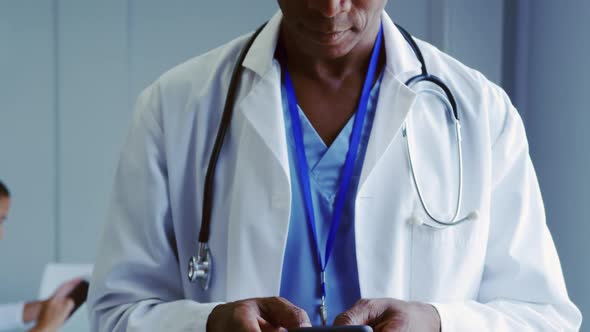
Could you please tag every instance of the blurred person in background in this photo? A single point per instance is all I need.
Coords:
(48, 314)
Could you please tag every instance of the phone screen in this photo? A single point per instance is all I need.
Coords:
(79, 295)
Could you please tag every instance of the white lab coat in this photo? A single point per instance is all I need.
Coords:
(500, 272)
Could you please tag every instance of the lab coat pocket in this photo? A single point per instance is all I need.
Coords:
(446, 262)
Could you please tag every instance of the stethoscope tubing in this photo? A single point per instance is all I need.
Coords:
(453, 221)
(228, 109)
(200, 266)
(426, 77)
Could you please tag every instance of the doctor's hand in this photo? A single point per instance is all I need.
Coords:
(390, 315)
(257, 315)
(56, 309)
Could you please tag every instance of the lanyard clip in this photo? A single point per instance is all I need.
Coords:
(323, 306)
(324, 311)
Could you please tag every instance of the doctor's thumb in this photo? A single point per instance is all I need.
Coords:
(347, 318)
(361, 313)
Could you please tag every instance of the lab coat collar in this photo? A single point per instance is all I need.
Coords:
(396, 99)
(400, 57)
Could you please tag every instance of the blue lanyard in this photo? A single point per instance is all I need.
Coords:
(303, 167)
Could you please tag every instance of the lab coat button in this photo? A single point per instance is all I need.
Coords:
(415, 221)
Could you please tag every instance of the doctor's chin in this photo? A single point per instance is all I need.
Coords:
(294, 165)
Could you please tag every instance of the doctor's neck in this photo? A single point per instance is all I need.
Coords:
(331, 56)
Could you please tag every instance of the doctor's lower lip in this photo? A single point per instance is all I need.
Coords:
(326, 37)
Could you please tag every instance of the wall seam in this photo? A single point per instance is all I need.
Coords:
(128, 56)
(438, 26)
(57, 141)
(522, 57)
(515, 64)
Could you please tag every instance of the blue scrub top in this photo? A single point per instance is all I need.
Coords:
(300, 276)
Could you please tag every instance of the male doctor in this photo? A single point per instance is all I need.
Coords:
(305, 92)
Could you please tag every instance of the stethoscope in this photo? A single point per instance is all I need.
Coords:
(200, 266)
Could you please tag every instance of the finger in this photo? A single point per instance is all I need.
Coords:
(389, 325)
(363, 312)
(354, 316)
(66, 288)
(249, 324)
(69, 306)
(64, 312)
(265, 326)
(246, 319)
(282, 313)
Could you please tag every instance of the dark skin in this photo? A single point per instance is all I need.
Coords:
(328, 69)
(391, 315)
(268, 314)
(328, 45)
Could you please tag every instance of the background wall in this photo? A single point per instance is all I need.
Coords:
(70, 71)
(553, 86)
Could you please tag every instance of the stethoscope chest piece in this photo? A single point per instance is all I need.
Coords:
(199, 268)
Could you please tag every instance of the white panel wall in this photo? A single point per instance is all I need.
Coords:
(93, 115)
(474, 31)
(27, 143)
(164, 35)
(469, 30)
(413, 15)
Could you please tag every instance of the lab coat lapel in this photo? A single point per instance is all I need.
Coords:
(262, 106)
(261, 197)
(383, 197)
(381, 210)
(395, 101)
(395, 98)
(262, 109)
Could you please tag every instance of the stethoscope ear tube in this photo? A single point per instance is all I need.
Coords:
(426, 77)
(200, 267)
(453, 220)
(438, 82)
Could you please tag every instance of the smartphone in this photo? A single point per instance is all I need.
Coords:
(334, 329)
(79, 295)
